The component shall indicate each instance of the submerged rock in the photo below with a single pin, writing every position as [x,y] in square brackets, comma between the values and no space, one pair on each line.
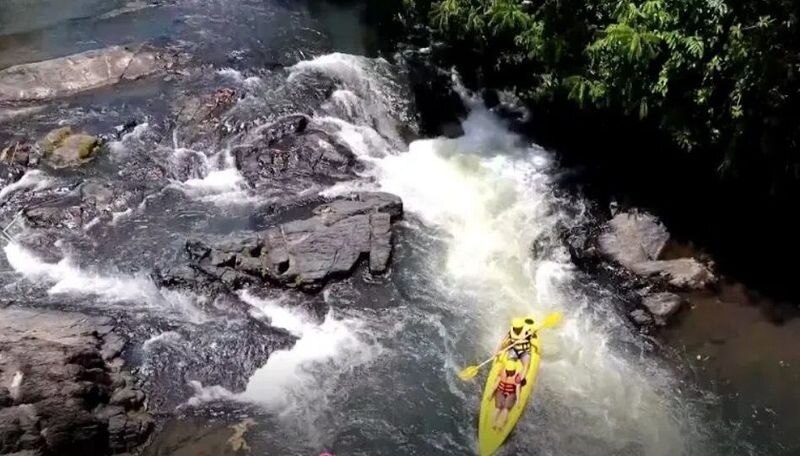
[60,386]
[82,207]
[79,72]
[306,253]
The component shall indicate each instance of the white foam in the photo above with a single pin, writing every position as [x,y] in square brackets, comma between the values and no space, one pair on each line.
[65,278]
[120,215]
[297,383]
[213,393]
[135,135]
[490,193]
[32,179]
[238,77]
[224,186]
[363,141]
[364,103]
[166,337]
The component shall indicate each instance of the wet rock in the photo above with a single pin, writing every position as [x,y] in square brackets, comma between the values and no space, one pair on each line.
[83,207]
[307,252]
[203,353]
[63,147]
[19,153]
[636,241]
[380,242]
[79,72]
[60,386]
[289,158]
[641,317]
[5,397]
[128,398]
[440,106]
[630,238]
[683,273]
[201,121]
[662,305]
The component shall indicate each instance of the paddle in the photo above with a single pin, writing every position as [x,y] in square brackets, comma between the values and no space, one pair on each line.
[469,372]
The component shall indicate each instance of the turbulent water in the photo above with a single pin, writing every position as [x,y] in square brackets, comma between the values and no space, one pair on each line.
[374,373]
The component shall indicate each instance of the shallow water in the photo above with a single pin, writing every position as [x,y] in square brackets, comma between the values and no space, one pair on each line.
[374,373]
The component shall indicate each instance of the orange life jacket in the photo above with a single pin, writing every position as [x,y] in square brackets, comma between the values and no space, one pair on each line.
[507,385]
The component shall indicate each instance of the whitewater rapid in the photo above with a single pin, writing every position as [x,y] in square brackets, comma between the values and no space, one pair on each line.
[488,195]
[376,373]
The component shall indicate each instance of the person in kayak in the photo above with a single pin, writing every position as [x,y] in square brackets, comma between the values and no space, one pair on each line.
[518,343]
[506,390]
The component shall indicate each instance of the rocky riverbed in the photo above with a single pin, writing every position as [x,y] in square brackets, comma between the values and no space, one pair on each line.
[223,236]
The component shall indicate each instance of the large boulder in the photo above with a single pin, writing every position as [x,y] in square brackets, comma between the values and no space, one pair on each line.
[60,371]
[637,240]
[79,72]
[631,238]
[305,253]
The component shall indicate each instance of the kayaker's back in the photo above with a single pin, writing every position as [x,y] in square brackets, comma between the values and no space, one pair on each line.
[490,440]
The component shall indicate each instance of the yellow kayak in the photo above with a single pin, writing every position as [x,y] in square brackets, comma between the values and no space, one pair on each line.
[490,440]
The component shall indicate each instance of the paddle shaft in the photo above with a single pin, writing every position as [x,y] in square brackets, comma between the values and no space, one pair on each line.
[499,353]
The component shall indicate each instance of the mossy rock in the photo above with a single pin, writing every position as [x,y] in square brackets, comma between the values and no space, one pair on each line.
[63,148]
[54,139]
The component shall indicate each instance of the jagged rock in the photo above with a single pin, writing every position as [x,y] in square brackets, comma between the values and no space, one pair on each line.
[89,203]
[60,385]
[79,72]
[662,305]
[306,252]
[380,242]
[20,154]
[631,238]
[680,273]
[63,147]
[290,157]
[128,398]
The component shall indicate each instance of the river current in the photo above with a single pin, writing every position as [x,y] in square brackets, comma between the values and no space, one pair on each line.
[375,373]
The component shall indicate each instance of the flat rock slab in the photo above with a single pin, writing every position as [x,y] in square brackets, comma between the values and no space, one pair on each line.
[631,238]
[684,273]
[306,253]
[58,375]
[662,305]
[78,73]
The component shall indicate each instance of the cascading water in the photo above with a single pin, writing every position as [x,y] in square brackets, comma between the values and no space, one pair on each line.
[374,374]
[476,205]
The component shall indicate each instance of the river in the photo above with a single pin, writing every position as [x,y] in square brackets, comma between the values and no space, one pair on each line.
[373,373]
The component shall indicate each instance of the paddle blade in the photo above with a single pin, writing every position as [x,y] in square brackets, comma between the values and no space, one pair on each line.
[468,373]
[552,320]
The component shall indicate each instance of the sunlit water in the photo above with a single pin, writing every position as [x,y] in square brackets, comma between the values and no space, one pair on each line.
[374,375]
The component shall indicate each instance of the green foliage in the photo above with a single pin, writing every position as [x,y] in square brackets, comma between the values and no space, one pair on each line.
[720,77]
